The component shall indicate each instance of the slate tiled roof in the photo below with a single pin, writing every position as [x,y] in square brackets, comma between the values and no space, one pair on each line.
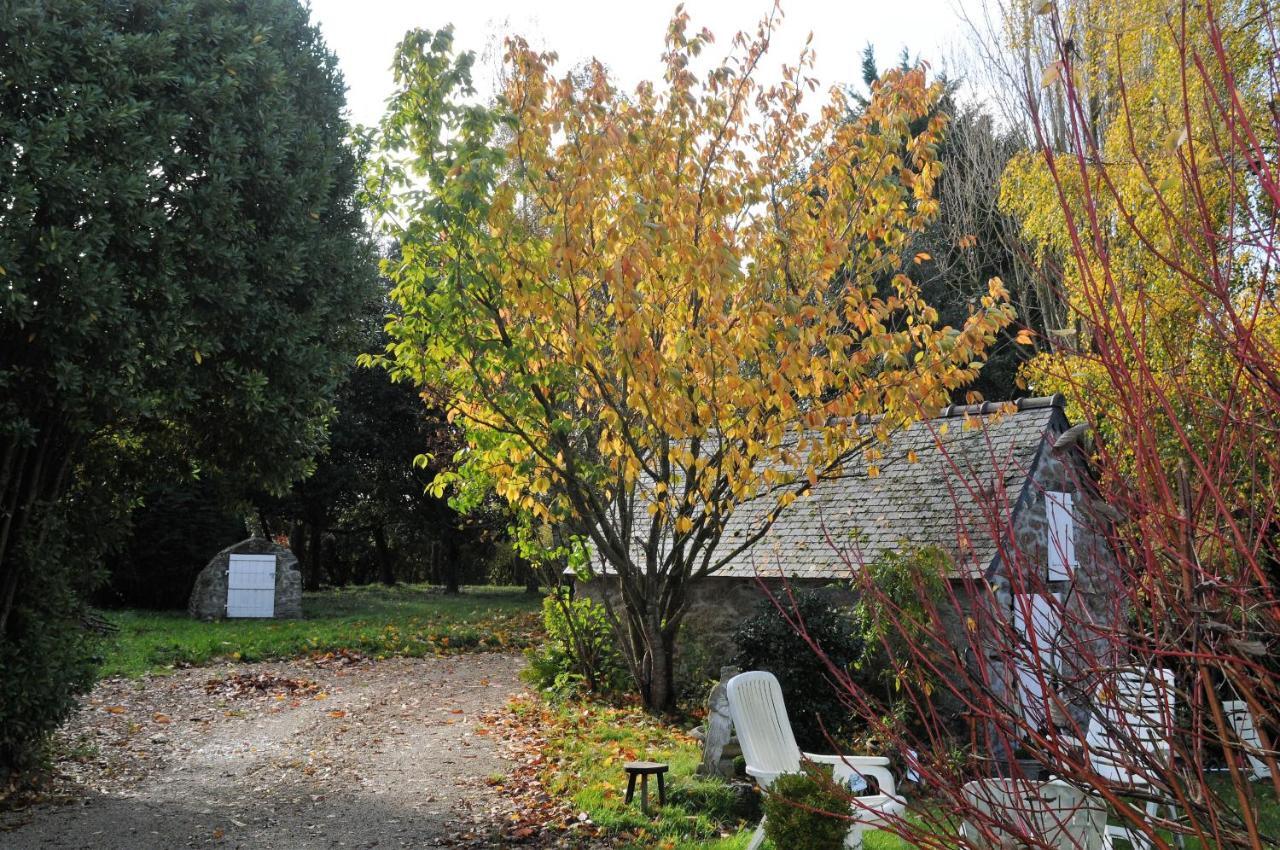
[970,457]
[929,502]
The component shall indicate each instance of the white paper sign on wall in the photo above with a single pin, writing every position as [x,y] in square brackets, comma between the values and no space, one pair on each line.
[1062,535]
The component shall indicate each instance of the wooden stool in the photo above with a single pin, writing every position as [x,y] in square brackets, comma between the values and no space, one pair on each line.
[644,769]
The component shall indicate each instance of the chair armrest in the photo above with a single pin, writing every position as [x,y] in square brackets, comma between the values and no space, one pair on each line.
[862,761]
[846,767]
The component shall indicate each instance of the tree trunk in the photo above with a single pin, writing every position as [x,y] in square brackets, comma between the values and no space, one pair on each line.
[267,531]
[298,542]
[658,690]
[386,564]
[339,574]
[531,584]
[315,554]
[450,569]
[30,478]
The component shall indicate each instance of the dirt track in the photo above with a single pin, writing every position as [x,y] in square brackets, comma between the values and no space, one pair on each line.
[336,754]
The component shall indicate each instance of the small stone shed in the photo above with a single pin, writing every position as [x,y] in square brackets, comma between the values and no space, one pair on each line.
[209,595]
[990,482]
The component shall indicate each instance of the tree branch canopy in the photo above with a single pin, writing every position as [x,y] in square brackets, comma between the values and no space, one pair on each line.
[663,301]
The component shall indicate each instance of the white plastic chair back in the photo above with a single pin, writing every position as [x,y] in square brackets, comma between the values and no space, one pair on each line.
[1054,814]
[764,732]
[1131,723]
[1241,719]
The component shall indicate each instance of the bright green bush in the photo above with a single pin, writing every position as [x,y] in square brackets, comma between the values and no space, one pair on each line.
[767,641]
[581,651]
[907,584]
[791,819]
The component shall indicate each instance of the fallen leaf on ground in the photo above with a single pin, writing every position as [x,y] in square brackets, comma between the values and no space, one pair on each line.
[259,684]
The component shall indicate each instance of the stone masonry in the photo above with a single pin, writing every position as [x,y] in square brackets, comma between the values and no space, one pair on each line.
[209,596]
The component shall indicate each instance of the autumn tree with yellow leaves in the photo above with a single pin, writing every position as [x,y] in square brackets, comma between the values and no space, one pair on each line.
[1139,190]
[647,308]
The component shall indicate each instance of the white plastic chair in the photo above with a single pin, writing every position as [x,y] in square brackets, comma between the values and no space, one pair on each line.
[1241,719]
[769,747]
[1053,813]
[1128,739]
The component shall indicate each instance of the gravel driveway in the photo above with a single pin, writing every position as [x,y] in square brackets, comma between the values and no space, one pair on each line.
[334,752]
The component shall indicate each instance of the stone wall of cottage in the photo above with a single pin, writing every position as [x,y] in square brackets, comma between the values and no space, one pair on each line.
[718,605]
[1086,598]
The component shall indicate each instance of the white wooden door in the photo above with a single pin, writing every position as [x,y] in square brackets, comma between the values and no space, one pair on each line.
[251,586]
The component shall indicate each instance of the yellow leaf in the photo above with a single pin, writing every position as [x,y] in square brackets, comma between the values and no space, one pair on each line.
[1045,8]
[873,472]
[198,356]
[1051,75]
[1024,337]
[912,457]
[922,257]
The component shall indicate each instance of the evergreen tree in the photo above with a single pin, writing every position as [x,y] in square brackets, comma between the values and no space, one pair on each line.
[180,258]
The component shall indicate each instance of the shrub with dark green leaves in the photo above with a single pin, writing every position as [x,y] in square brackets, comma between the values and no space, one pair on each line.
[767,641]
[182,264]
[47,655]
[801,810]
[581,651]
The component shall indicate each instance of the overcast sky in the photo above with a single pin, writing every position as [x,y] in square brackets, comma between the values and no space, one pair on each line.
[627,36]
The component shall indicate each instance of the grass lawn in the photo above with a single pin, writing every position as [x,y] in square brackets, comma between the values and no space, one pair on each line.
[587,744]
[412,620]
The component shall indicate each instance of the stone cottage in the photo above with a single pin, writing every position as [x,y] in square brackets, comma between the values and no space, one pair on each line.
[989,484]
